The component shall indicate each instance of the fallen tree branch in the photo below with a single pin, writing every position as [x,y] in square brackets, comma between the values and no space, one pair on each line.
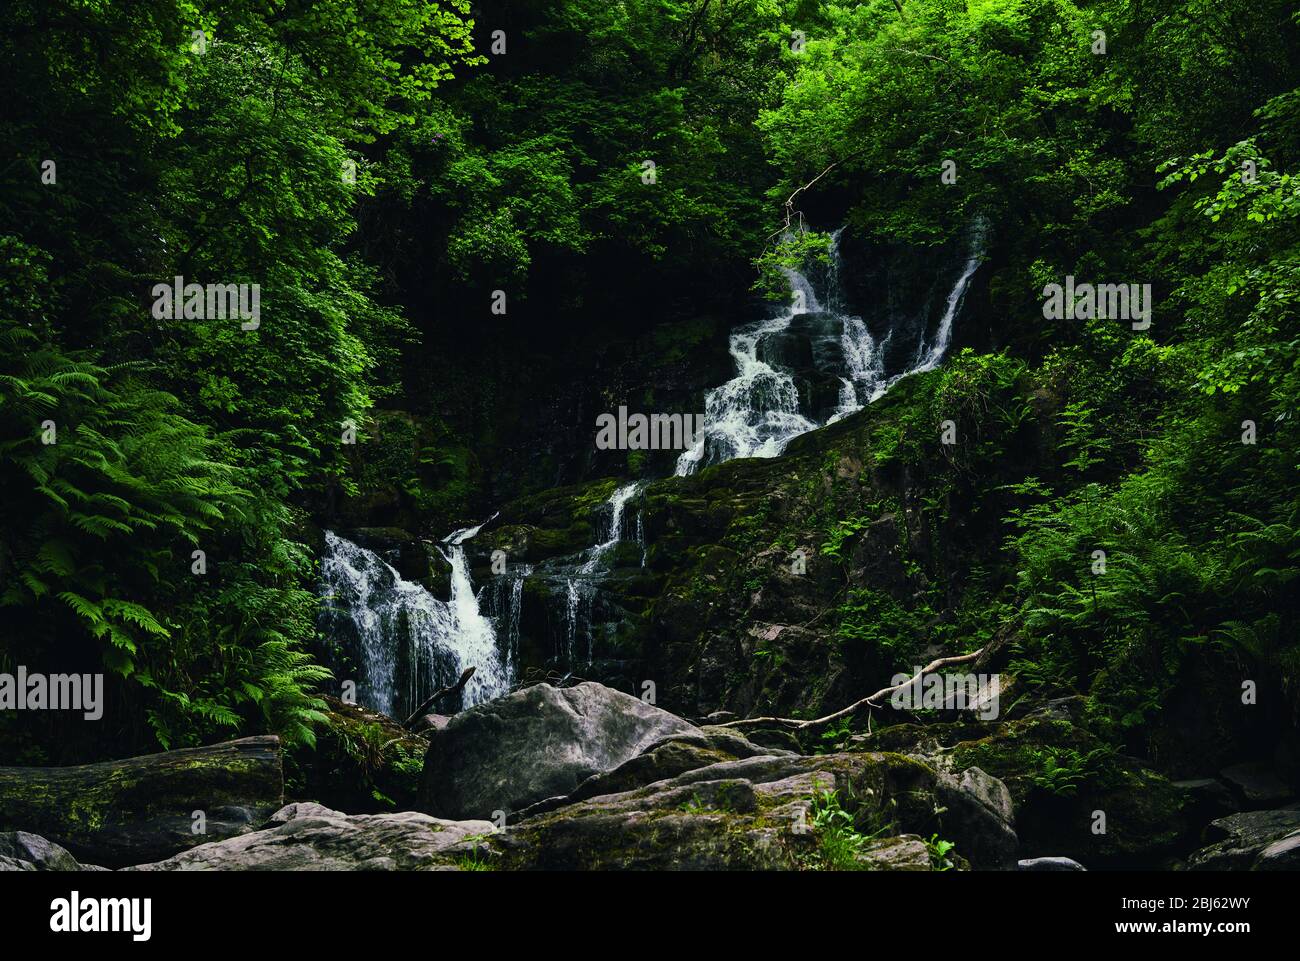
[441,692]
[869,701]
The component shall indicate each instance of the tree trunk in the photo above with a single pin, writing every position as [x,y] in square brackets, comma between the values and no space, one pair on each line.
[143,809]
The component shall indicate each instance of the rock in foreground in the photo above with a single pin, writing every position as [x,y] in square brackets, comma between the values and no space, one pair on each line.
[537,743]
[767,813]
[20,851]
[310,837]
[1252,841]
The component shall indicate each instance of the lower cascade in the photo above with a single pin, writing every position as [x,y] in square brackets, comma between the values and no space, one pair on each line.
[583,583]
[404,642]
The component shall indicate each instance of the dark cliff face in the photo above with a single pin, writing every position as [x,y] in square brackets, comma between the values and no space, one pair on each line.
[517,415]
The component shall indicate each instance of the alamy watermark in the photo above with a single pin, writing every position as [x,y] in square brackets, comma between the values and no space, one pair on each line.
[54,692]
[625,431]
[75,914]
[181,301]
[978,693]
[1098,301]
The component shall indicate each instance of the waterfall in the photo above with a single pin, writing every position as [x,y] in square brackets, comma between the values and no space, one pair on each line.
[581,586]
[927,358]
[864,358]
[504,603]
[476,639]
[757,412]
[408,643]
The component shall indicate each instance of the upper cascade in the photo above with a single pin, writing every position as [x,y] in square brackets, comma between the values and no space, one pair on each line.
[760,410]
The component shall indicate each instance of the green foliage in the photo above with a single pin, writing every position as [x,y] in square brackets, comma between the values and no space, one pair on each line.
[839,834]
[100,525]
[527,172]
[880,625]
[939,850]
[221,161]
[1062,771]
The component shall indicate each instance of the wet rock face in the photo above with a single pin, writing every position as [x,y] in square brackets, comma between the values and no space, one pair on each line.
[810,350]
[534,744]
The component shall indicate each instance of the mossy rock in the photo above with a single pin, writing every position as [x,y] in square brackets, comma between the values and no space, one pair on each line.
[754,814]
[1068,785]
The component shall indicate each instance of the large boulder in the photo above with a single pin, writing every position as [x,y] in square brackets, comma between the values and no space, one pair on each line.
[311,837]
[534,744]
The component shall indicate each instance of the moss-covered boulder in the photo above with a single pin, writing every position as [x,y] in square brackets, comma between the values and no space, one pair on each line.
[1073,795]
[766,813]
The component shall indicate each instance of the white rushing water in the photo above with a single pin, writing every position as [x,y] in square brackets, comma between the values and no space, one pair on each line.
[409,643]
[474,638]
[757,413]
[582,585]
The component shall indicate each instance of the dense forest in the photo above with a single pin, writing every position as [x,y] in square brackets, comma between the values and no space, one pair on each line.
[459,236]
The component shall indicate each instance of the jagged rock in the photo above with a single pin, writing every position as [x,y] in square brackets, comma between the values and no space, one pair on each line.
[1050,864]
[141,808]
[757,813]
[1281,855]
[1061,709]
[20,851]
[311,837]
[774,739]
[732,742]
[676,755]
[431,722]
[1257,784]
[534,744]
[990,791]
[1251,841]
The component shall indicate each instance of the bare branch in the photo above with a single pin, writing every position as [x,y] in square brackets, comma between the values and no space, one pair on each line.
[441,692]
[870,701]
